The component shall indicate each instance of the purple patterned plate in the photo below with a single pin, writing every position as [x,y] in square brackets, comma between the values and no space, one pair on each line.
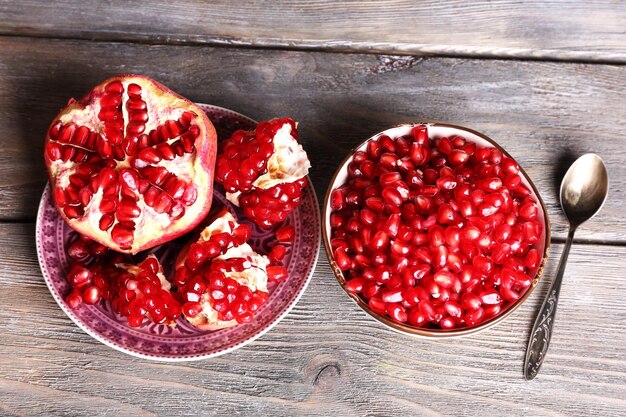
[184,342]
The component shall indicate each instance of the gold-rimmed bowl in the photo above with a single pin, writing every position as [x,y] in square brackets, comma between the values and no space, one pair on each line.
[435,130]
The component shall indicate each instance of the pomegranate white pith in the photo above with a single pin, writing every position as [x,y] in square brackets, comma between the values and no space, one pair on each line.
[131,164]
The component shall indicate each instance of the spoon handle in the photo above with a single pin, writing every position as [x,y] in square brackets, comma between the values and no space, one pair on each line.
[542,330]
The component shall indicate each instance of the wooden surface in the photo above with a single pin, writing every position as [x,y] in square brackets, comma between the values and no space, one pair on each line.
[559,30]
[559,92]
[325,358]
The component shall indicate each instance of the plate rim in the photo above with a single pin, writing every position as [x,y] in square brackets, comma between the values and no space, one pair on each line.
[182,358]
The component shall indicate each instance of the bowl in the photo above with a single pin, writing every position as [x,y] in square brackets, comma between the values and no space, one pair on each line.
[435,130]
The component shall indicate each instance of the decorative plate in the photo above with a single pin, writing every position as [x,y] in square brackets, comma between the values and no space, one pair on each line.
[184,342]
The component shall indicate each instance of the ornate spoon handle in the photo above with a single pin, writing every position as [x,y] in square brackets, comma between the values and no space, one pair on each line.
[542,330]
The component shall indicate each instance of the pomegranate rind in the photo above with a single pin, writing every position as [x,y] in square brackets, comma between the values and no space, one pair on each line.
[163,104]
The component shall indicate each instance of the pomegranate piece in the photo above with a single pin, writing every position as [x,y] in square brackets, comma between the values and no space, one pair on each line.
[142,291]
[264,171]
[436,233]
[136,291]
[221,280]
[131,164]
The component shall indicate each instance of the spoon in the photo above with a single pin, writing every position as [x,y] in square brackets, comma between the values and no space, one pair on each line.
[583,192]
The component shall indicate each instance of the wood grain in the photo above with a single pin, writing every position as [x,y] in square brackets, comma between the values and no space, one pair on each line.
[560,30]
[544,114]
[325,358]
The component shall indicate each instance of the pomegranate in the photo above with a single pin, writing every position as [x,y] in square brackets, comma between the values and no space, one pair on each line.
[435,232]
[131,163]
[264,170]
[221,280]
[142,291]
[135,291]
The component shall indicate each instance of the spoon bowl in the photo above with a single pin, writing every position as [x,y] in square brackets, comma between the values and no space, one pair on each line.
[584,189]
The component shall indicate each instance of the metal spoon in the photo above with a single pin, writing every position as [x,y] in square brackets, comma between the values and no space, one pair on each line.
[583,192]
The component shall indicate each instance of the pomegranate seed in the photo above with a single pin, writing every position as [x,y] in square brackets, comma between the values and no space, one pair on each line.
[337,199]
[453,309]
[377,305]
[277,273]
[489,184]
[392,225]
[532,259]
[192,309]
[379,241]
[429,311]
[355,285]
[342,260]
[470,301]
[458,157]
[373,149]
[285,233]
[397,312]
[445,278]
[474,317]
[528,211]
[277,253]
[500,253]
[92,295]
[445,214]
[394,296]
[74,299]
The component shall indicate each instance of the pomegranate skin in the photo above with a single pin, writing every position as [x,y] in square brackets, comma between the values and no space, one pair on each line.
[131,164]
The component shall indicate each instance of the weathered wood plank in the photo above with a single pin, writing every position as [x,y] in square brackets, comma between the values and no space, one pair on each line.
[563,30]
[545,114]
[325,358]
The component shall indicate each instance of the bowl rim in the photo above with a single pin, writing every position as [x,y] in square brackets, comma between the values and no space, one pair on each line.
[404,328]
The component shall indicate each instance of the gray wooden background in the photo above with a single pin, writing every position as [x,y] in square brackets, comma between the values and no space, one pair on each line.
[545,79]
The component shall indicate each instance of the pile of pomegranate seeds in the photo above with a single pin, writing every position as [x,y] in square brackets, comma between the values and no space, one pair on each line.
[437,233]
[264,171]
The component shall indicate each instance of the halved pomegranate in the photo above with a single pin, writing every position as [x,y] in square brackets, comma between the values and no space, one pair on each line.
[131,163]
[221,280]
[264,170]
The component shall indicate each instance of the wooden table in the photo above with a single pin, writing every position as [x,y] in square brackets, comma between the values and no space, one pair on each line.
[546,80]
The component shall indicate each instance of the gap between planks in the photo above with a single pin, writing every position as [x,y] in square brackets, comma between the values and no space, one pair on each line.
[353,47]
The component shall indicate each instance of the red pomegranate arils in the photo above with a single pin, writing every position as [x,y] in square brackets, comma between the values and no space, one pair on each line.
[436,233]
[264,171]
[221,280]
